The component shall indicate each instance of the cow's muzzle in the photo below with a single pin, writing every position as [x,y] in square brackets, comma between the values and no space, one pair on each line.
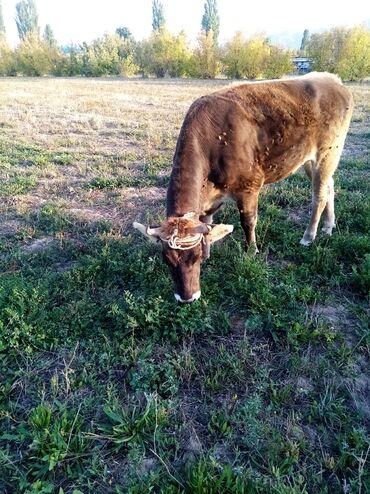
[194,297]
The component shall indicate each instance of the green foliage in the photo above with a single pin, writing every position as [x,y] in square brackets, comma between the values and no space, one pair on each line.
[340,50]
[124,32]
[205,59]
[211,19]
[354,63]
[17,185]
[343,51]
[255,58]
[2,25]
[257,52]
[138,425]
[234,57]
[35,57]
[108,385]
[53,440]
[26,18]
[206,477]
[7,65]
[71,62]
[164,54]
[246,58]
[158,21]
[305,40]
[23,316]
[279,63]
[49,37]
[102,56]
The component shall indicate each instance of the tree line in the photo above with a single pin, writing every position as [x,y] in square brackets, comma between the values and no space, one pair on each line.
[164,54]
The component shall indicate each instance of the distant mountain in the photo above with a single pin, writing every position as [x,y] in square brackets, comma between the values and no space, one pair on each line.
[287,39]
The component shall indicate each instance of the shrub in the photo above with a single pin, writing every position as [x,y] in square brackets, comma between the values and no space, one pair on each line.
[163,54]
[34,57]
[6,59]
[205,61]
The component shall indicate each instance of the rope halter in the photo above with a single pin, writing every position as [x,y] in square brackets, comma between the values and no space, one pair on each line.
[185,243]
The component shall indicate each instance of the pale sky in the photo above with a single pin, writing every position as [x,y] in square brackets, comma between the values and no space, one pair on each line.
[83,20]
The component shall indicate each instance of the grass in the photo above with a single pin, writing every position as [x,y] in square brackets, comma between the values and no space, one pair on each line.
[106,385]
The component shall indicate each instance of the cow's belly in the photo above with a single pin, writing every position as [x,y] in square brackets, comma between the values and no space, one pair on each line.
[280,169]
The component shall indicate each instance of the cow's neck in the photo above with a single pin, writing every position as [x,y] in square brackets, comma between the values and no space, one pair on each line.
[184,194]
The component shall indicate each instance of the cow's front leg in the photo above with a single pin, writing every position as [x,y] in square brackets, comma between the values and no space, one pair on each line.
[206,246]
[248,207]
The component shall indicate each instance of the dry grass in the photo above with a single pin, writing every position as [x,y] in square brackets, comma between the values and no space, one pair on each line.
[108,128]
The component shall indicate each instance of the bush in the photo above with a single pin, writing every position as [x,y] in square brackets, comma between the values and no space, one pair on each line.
[354,63]
[234,57]
[278,63]
[34,57]
[343,51]
[6,59]
[205,61]
[255,58]
[163,54]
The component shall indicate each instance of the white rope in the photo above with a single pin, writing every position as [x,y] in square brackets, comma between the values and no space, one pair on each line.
[185,243]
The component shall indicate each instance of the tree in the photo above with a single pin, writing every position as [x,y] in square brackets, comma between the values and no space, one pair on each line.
[205,61]
[101,57]
[211,19]
[26,18]
[305,39]
[6,58]
[70,62]
[278,63]
[2,25]
[354,63]
[256,55]
[234,57]
[163,54]
[49,37]
[124,32]
[326,49]
[158,15]
[34,57]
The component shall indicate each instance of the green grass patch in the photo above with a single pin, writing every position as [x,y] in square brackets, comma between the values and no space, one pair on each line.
[108,386]
[17,186]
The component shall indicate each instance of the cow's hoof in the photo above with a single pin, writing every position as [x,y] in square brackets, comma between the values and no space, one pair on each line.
[306,241]
[327,229]
[252,249]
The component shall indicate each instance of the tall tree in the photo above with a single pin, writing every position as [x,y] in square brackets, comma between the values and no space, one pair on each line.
[158,15]
[305,40]
[2,25]
[211,19]
[124,32]
[26,18]
[49,37]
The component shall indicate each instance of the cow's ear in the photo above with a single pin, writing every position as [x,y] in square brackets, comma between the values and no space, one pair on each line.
[151,233]
[219,231]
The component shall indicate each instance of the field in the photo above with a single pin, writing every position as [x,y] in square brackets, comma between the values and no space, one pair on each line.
[106,385]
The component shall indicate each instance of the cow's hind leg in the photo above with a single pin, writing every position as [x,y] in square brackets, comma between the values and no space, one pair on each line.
[248,206]
[322,195]
[328,213]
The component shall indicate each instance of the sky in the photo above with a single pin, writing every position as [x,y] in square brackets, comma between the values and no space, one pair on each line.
[84,20]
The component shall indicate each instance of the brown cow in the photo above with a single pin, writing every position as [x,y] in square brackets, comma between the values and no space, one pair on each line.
[234,141]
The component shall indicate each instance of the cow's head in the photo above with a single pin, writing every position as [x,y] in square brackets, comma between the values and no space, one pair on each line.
[186,241]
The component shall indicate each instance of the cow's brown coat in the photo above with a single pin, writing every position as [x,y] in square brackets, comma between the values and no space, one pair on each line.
[234,141]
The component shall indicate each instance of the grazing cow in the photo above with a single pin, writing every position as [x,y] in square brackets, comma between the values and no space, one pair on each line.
[234,141]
